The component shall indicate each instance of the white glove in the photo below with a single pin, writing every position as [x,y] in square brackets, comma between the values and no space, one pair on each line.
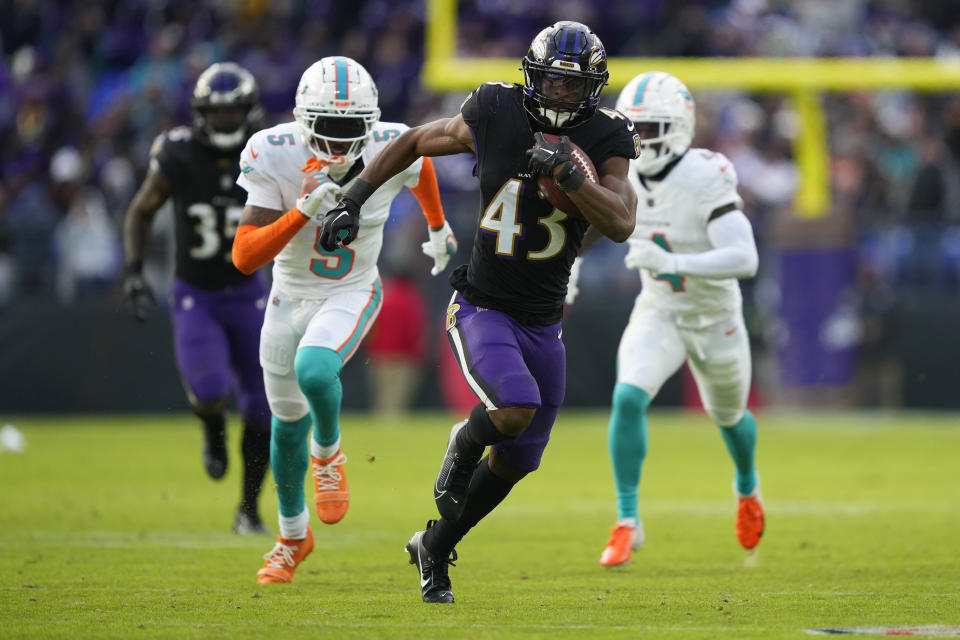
[572,289]
[315,189]
[440,247]
[644,254]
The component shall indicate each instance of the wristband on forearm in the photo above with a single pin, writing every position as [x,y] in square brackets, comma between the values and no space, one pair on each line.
[359,191]
[569,178]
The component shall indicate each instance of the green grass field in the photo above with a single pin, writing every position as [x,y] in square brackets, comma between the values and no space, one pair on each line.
[110,529]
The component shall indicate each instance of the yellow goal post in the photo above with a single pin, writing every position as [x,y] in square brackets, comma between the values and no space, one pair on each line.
[803,79]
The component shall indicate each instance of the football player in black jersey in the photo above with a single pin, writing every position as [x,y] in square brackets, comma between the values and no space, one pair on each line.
[504,319]
[217,311]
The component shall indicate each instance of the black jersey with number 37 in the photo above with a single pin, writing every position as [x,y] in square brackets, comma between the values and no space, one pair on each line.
[523,248]
[207,204]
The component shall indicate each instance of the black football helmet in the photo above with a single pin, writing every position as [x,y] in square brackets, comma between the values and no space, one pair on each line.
[226,105]
[565,70]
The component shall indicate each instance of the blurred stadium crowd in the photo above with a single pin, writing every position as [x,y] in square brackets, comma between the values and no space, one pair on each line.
[86,86]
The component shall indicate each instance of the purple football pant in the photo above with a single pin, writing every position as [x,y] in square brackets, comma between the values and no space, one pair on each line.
[216,336]
[508,364]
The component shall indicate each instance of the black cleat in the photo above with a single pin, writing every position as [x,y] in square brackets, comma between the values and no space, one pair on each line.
[215,451]
[434,582]
[450,489]
[249,524]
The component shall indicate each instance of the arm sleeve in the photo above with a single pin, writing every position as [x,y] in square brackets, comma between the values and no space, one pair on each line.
[734,253]
[254,246]
[427,193]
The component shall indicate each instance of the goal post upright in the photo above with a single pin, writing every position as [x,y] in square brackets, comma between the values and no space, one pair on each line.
[803,79]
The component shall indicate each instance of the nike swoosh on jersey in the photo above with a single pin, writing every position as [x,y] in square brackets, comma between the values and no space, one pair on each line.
[729,332]
[253,153]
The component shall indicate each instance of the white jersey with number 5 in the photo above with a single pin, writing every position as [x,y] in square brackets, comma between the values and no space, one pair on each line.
[270,171]
[674,213]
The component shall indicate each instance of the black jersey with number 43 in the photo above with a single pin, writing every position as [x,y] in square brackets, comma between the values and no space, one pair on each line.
[523,248]
[207,204]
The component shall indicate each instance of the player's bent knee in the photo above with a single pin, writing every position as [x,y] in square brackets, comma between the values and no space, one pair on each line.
[503,469]
[289,410]
[630,399]
[317,368]
[208,408]
[511,421]
[290,432]
[726,417]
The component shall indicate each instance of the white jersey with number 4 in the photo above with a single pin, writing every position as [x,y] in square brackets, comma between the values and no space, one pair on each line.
[270,171]
[674,213]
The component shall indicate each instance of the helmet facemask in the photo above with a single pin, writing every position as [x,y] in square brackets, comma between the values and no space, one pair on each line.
[336,138]
[659,145]
[561,97]
[225,127]
[336,108]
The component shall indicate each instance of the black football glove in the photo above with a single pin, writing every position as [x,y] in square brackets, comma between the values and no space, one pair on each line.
[545,156]
[139,293]
[341,224]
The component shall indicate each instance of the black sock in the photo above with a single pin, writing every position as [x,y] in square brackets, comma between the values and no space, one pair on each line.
[256,459]
[486,491]
[215,424]
[479,432]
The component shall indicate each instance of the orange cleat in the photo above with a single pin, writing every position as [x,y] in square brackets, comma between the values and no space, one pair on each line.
[750,521]
[284,558]
[623,541]
[330,487]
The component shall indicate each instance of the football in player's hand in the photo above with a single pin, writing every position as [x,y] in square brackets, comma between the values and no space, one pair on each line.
[548,188]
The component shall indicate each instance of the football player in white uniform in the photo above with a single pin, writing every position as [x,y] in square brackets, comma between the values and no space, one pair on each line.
[326,289]
[691,244]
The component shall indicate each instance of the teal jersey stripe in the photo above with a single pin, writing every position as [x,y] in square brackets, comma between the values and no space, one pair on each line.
[348,347]
[638,99]
[343,92]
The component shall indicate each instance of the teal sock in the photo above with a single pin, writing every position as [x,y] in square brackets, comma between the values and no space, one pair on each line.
[318,374]
[627,438]
[741,441]
[289,459]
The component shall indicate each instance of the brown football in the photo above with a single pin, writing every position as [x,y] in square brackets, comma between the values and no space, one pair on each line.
[552,193]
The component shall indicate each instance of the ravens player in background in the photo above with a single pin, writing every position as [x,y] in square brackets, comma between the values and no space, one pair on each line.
[503,321]
[217,311]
